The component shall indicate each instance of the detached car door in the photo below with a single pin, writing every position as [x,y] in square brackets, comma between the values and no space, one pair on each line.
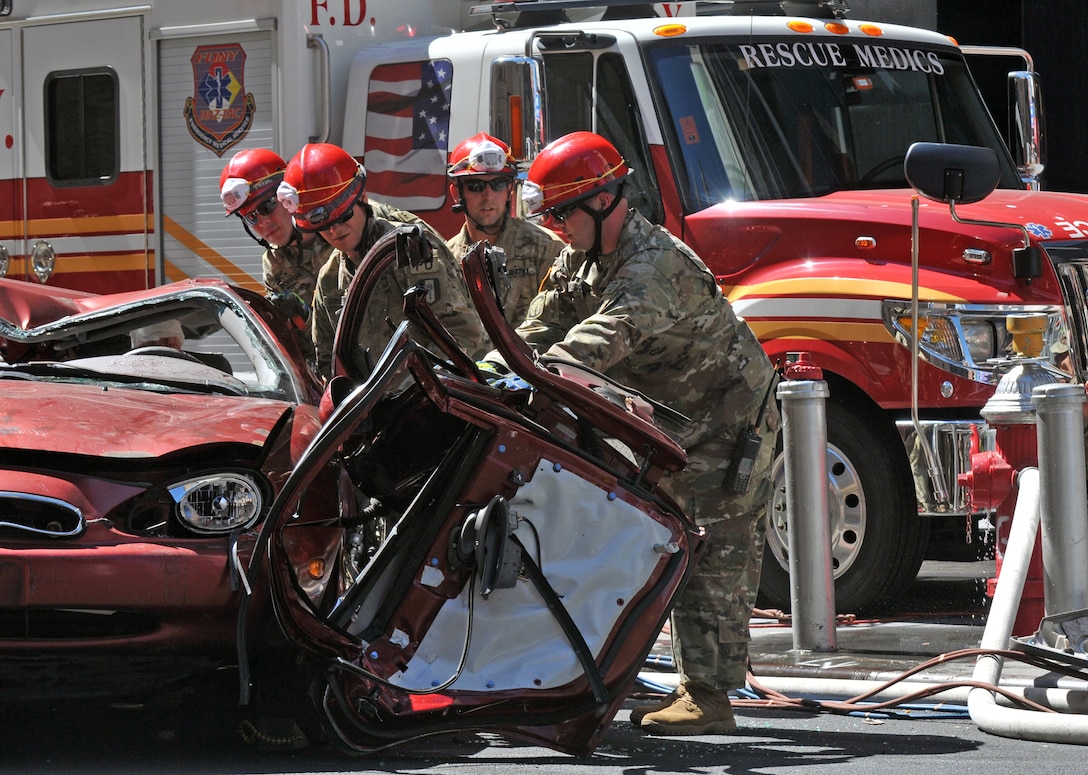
[521,562]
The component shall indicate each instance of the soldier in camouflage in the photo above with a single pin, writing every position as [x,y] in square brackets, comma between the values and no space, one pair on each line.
[481,175]
[291,260]
[323,187]
[291,272]
[641,307]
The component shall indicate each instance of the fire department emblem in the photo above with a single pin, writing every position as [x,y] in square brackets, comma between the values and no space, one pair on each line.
[219,113]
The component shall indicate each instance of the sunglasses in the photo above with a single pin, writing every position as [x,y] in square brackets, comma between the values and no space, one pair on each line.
[497,184]
[560,214]
[319,222]
[264,209]
[317,219]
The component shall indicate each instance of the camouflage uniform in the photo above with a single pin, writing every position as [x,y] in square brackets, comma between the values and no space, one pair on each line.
[388,212]
[290,277]
[651,315]
[530,250]
[450,303]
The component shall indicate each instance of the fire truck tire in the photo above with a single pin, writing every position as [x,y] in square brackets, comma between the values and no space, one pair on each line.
[878,541]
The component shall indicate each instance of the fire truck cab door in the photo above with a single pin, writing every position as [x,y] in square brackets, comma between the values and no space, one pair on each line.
[84,150]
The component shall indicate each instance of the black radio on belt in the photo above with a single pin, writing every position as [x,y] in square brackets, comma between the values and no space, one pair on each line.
[744,458]
[746,451]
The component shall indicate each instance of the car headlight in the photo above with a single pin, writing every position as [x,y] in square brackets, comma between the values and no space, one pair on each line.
[217,503]
[966,339]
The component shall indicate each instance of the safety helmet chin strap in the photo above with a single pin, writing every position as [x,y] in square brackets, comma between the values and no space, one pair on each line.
[599,217]
[296,236]
[245,225]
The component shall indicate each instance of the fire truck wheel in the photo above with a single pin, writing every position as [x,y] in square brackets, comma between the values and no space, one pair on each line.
[877,539]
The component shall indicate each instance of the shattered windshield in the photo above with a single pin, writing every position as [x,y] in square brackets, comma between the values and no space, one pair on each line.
[196,342]
[783,119]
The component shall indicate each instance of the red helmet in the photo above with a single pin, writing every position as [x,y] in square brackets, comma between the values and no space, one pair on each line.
[572,168]
[481,154]
[322,182]
[250,177]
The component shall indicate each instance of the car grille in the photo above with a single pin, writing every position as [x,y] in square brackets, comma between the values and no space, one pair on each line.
[39,515]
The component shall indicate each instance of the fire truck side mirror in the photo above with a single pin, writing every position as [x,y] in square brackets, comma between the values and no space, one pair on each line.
[952,174]
[518,104]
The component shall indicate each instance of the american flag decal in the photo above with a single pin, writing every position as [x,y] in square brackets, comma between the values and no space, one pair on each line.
[407,133]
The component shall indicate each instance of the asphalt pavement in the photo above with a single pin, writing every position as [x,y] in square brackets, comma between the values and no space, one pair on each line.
[802,721]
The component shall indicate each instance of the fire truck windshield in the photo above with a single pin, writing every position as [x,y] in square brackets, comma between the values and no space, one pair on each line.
[782,119]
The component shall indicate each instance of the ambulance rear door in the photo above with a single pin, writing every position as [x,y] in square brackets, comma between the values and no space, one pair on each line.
[87,189]
[216,96]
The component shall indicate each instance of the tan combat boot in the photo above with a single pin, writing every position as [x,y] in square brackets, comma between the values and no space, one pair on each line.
[639,711]
[695,710]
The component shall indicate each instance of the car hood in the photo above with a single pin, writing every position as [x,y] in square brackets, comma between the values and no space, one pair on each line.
[90,420]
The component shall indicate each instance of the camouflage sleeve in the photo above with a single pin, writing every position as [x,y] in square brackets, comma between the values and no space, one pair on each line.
[293,269]
[529,256]
[639,302]
[323,326]
[552,312]
[390,213]
[458,244]
[550,248]
[454,309]
[268,272]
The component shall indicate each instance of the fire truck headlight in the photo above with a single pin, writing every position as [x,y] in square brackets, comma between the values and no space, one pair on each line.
[964,339]
[981,339]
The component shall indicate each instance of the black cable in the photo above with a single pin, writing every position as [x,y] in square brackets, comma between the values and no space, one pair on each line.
[570,629]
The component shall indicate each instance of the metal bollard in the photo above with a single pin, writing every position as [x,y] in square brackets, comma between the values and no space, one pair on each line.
[1063,496]
[804,445]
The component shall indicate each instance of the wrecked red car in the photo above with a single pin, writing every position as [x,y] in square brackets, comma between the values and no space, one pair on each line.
[133,476]
[443,549]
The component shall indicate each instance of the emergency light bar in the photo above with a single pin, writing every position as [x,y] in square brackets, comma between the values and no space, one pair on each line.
[816,8]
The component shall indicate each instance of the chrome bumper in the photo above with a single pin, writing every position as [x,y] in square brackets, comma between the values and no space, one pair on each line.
[951,442]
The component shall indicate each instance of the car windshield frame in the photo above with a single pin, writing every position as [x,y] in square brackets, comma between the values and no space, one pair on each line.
[228,347]
[784,120]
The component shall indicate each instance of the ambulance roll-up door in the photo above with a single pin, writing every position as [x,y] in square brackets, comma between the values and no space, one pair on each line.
[216,88]
[85,153]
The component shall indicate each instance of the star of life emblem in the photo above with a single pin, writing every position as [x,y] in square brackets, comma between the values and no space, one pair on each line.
[1039,230]
[220,112]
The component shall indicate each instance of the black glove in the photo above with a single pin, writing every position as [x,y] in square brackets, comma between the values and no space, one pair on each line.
[291,304]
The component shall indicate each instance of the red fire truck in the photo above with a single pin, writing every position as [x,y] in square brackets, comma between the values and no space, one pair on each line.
[773,144]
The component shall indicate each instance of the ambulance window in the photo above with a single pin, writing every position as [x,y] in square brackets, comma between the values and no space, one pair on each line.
[570,88]
[82,120]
